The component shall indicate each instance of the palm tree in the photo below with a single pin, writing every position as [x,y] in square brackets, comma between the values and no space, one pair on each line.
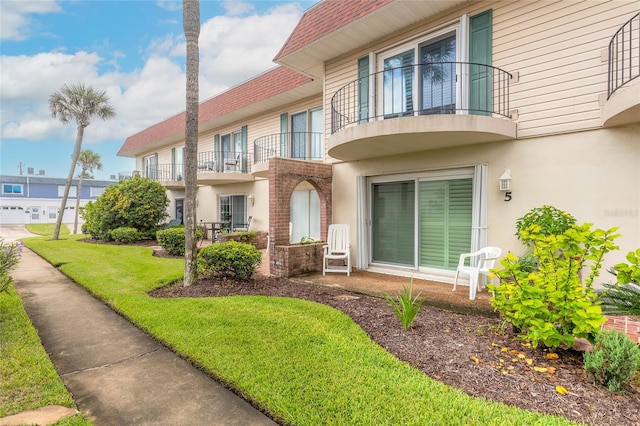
[191,25]
[89,160]
[80,104]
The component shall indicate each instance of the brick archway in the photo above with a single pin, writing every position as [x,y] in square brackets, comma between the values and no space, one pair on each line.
[284,176]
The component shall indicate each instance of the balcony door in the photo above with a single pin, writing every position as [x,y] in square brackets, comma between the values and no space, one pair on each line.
[299,135]
[304,141]
[444,72]
[398,84]
[438,76]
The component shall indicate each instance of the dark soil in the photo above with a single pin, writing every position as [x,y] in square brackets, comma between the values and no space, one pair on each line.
[475,354]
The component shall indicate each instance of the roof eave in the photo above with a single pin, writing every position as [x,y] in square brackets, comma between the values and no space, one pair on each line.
[309,59]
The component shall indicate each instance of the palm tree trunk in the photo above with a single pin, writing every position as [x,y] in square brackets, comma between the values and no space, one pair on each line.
[79,194]
[65,196]
[191,24]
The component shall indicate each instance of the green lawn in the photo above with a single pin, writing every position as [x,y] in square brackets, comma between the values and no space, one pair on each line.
[28,379]
[303,362]
[45,228]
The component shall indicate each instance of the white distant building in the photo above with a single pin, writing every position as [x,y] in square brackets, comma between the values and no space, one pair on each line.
[36,199]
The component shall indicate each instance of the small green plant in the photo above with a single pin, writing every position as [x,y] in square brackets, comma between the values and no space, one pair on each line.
[405,305]
[551,221]
[307,240]
[9,257]
[230,259]
[126,235]
[552,305]
[623,296]
[614,359]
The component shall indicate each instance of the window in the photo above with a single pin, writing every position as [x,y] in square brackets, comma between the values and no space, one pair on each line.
[304,215]
[73,191]
[95,191]
[445,72]
[422,76]
[12,188]
[150,167]
[177,160]
[230,151]
[304,141]
[233,208]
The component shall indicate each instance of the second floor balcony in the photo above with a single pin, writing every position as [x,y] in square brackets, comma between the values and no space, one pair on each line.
[170,175]
[213,168]
[296,145]
[222,167]
[420,107]
[623,82]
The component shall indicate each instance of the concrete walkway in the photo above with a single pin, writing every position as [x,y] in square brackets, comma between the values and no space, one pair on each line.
[119,375]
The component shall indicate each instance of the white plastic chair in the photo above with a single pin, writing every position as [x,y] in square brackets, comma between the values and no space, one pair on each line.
[337,248]
[486,258]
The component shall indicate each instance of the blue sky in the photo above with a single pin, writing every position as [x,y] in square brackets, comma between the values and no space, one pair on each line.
[134,51]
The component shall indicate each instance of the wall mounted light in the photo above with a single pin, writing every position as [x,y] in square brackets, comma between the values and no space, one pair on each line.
[505,184]
[505,180]
[251,199]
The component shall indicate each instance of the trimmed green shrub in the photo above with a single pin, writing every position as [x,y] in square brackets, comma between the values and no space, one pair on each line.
[172,239]
[230,259]
[126,235]
[552,305]
[623,296]
[136,203]
[613,360]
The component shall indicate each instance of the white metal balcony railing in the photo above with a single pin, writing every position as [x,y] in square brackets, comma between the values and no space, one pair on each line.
[422,89]
[297,145]
[624,55]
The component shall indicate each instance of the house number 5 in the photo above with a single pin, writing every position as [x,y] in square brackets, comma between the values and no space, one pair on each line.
[507,196]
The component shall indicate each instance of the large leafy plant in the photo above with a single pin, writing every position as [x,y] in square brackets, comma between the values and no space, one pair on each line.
[136,203]
[554,304]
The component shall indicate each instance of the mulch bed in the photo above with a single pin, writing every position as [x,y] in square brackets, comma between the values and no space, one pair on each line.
[478,355]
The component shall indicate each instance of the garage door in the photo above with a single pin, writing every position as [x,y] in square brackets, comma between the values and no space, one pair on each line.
[12,215]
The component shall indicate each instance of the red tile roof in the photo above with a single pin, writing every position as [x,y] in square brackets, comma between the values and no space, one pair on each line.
[270,83]
[326,17]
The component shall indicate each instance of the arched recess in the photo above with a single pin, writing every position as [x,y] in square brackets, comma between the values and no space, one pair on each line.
[284,176]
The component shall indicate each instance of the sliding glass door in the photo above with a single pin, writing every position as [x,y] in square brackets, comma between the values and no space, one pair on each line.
[424,222]
[444,222]
[393,207]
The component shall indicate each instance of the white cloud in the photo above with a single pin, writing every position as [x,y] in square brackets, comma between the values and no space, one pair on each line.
[235,8]
[232,49]
[14,17]
[170,5]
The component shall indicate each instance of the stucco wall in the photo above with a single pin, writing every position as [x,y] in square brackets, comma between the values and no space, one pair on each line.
[593,175]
